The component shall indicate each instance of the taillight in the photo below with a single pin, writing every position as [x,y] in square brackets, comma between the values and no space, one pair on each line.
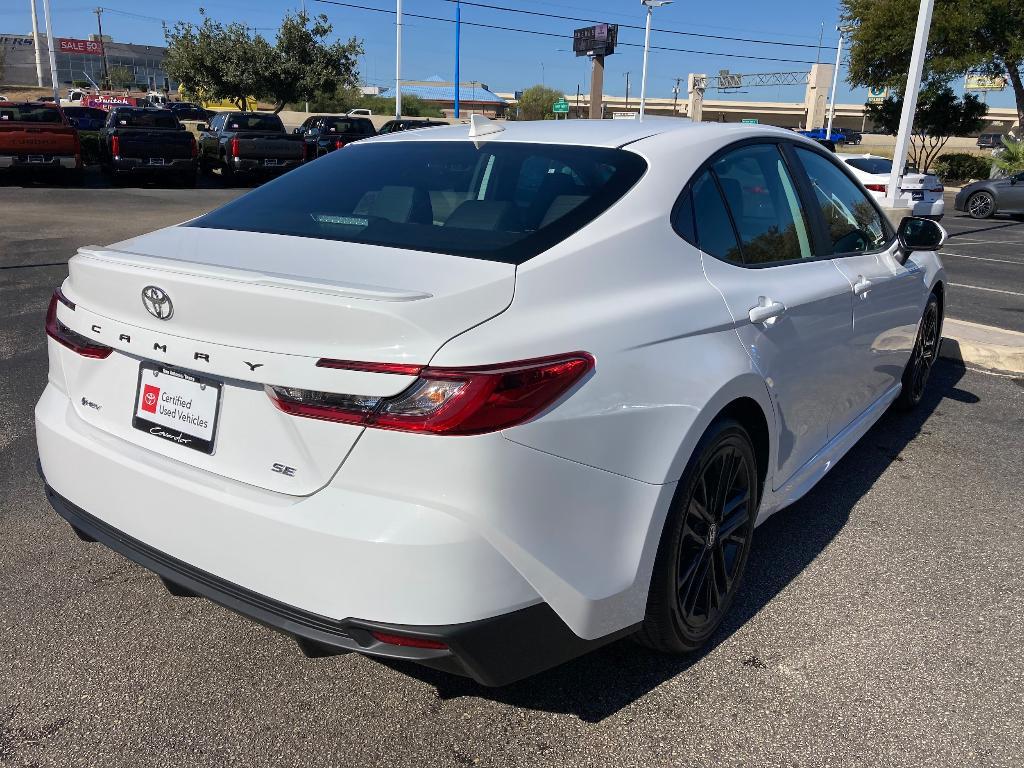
[445,401]
[876,187]
[338,143]
[195,147]
[939,189]
[60,333]
[115,146]
[234,147]
[408,641]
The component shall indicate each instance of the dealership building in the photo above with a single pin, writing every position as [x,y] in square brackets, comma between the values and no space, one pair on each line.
[77,58]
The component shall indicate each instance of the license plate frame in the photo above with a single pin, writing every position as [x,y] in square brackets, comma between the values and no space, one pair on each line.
[917,195]
[186,437]
[156,161]
[272,161]
[35,159]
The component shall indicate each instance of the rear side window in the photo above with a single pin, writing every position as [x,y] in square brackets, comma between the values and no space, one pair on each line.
[870,164]
[28,113]
[764,204]
[502,201]
[252,121]
[715,234]
[161,118]
[854,224]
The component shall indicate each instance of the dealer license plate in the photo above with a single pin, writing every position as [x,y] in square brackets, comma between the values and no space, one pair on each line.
[177,406]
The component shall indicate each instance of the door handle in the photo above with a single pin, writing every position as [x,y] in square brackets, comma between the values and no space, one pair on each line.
[862,286]
[766,310]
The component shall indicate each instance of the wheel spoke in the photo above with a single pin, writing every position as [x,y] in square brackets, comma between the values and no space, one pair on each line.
[735,515]
[696,583]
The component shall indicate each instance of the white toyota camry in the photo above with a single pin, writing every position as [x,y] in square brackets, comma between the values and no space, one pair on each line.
[486,397]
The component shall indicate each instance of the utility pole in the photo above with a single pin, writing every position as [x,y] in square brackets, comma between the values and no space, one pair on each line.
[103,47]
[597,88]
[305,19]
[398,59]
[627,90]
[577,101]
[35,43]
[49,46]
[675,95]
[899,158]
[458,26]
[835,81]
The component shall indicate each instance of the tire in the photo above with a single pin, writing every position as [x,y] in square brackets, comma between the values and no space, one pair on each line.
[926,351]
[702,550]
[981,205]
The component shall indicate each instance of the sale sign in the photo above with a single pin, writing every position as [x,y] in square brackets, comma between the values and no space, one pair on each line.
[107,101]
[71,45]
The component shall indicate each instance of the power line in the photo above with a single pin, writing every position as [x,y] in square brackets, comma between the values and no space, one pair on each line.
[637,26]
[560,36]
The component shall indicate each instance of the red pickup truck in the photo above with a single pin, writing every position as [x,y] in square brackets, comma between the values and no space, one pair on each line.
[37,136]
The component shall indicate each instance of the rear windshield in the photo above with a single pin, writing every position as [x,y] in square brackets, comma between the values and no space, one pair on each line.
[28,113]
[157,118]
[347,125]
[502,202]
[871,164]
[253,122]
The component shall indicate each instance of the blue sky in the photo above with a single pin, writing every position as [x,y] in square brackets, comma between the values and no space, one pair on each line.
[507,60]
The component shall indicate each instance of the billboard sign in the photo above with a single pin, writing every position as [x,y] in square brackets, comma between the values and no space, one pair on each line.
[877,95]
[108,101]
[985,83]
[598,40]
[71,45]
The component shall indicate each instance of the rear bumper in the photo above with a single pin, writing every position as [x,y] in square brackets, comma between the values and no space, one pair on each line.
[934,209]
[139,165]
[69,162]
[248,165]
[494,651]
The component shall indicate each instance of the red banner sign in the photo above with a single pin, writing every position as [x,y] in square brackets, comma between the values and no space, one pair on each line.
[107,102]
[70,45]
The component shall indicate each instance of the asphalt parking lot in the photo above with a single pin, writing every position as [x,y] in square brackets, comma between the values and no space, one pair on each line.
[880,622]
[985,263]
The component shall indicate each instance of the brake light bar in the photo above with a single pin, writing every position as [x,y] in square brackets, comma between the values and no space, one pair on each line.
[115,146]
[74,341]
[445,401]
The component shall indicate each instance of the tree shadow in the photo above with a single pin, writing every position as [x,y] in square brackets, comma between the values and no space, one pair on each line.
[601,683]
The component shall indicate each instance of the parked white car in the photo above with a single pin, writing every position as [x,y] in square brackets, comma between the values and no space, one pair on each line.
[506,394]
[923,191]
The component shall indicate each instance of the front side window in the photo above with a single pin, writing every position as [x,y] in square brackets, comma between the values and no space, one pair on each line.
[764,203]
[854,224]
[501,201]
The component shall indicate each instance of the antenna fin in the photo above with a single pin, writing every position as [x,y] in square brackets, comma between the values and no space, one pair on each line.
[481,126]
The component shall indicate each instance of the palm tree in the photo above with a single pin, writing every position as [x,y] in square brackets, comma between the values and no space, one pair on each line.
[1010,159]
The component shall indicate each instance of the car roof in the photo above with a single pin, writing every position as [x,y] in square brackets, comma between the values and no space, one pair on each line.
[594,133]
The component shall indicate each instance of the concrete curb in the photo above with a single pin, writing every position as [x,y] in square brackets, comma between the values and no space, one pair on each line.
[983,346]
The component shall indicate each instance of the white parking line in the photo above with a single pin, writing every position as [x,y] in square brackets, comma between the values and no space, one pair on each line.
[980,258]
[990,290]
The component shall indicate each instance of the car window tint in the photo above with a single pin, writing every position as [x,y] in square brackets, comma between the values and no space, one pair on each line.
[28,113]
[854,224]
[871,164]
[715,235]
[501,201]
[765,207]
[682,217]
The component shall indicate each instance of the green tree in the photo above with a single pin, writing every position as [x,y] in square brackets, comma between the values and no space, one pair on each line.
[1010,159]
[303,64]
[537,102]
[217,61]
[940,114]
[120,77]
[985,36]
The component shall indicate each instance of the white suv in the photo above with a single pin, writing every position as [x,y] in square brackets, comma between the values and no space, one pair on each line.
[486,397]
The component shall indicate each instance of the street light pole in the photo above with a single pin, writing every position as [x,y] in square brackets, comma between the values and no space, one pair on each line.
[458,26]
[49,46]
[397,60]
[835,82]
[651,5]
[35,43]
[899,159]
[627,90]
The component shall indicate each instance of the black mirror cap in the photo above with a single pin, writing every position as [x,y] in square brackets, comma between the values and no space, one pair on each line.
[917,234]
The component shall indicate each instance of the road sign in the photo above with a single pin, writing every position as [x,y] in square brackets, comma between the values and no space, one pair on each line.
[985,83]
[749,120]
[877,95]
[560,107]
[598,40]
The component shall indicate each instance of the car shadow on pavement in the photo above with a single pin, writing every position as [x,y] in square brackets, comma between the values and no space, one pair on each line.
[601,683]
[1013,221]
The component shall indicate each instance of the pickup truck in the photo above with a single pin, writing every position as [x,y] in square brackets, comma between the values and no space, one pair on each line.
[248,142]
[38,137]
[821,134]
[327,133]
[147,141]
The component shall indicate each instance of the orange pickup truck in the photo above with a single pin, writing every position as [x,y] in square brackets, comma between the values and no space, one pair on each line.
[37,136]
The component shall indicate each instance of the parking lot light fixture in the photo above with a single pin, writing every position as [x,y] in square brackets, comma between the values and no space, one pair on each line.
[651,5]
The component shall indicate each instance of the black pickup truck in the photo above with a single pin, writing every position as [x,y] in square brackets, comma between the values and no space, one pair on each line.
[146,141]
[249,142]
[326,133]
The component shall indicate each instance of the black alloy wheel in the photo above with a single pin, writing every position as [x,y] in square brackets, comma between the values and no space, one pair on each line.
[923,357]
[981,205]
[706,542]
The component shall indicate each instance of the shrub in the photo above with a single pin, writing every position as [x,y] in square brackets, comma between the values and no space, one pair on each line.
[960,166]
[90,146]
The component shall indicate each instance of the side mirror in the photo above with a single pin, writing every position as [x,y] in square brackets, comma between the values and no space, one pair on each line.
[202,127]
[916,234]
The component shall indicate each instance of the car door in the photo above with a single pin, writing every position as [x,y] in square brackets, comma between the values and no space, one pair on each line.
[792,312]
[209,140]
[1010,193]
[889,292]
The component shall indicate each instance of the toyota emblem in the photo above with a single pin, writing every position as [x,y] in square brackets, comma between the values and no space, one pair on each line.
[157,302]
